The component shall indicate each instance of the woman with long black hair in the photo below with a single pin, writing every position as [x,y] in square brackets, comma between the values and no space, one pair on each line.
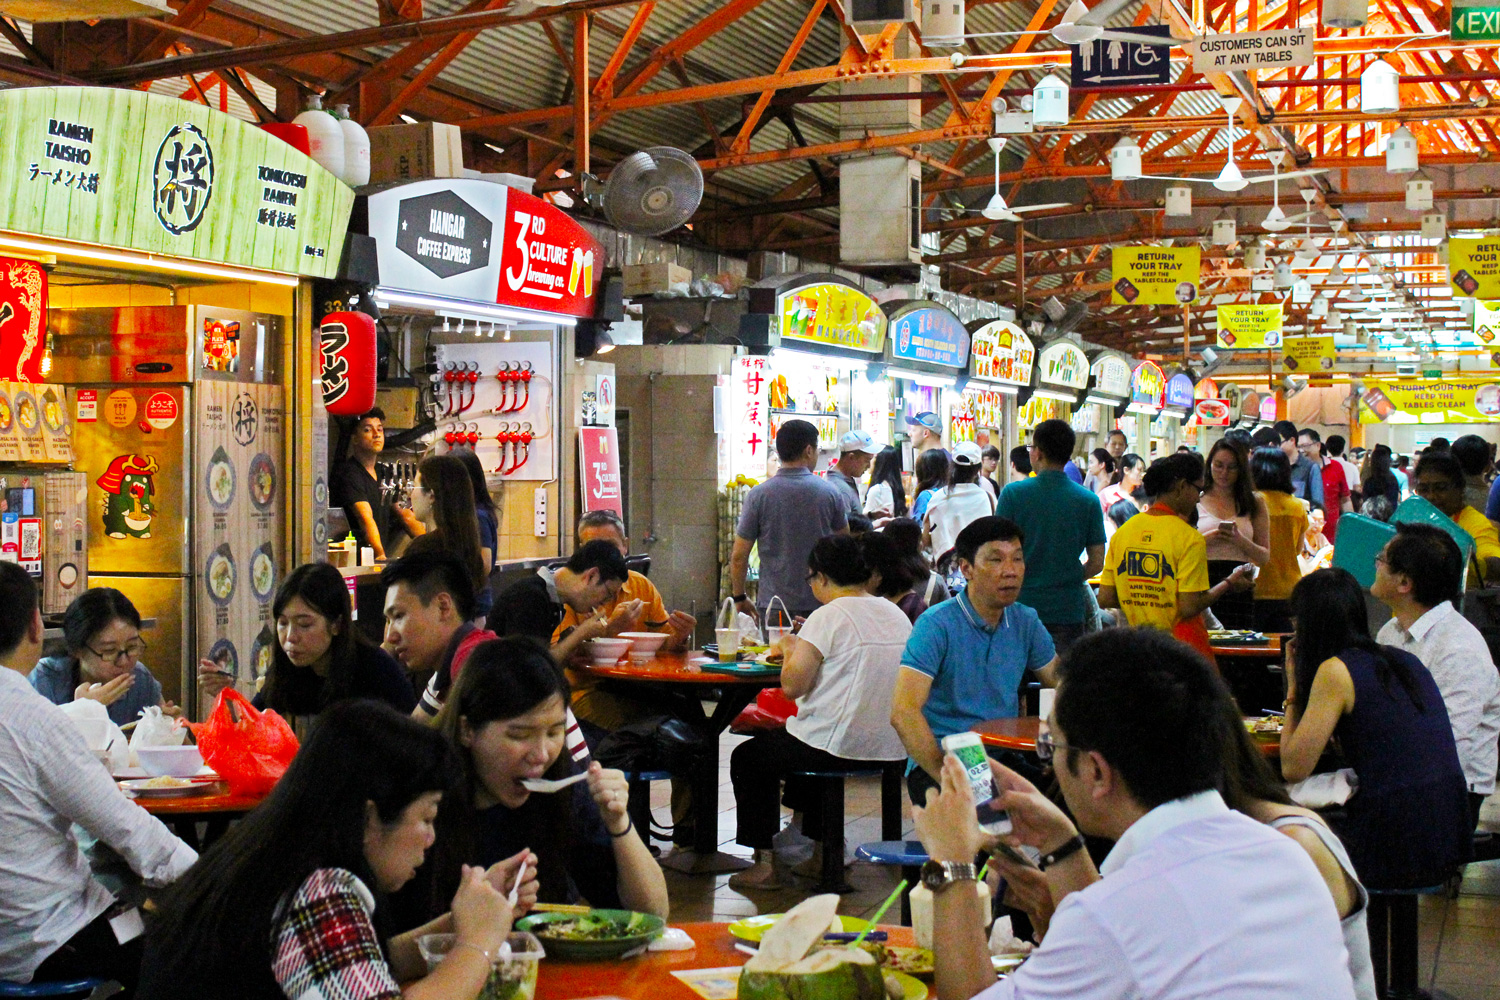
[1235,526]
[1286,517]
[319,657]
[285,905]
[1409,823]
[933,469]
[443,500]
[886,496]
[484,508]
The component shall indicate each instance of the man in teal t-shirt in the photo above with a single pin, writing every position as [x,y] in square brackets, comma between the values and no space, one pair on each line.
[1062,521]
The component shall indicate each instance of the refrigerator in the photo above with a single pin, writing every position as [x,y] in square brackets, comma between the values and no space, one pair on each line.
[178,430]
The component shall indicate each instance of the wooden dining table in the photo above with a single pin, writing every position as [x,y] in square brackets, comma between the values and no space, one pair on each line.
[216,809]
[1020,734]
[680,686]
[1253,671]
[649,976]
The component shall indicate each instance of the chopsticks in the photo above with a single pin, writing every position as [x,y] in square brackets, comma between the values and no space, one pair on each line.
[559,908]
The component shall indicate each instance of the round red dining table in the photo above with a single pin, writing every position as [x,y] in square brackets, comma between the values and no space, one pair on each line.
[649,976]
[217,808]
[673,681]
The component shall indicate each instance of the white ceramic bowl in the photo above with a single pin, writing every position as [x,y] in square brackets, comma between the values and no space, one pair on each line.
[176,762]
[644,645]
[607,651]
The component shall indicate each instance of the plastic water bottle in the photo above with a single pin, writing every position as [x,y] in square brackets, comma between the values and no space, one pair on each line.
[325,136]
[356,148]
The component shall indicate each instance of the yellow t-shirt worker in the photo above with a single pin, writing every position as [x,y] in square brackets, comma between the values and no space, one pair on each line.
[1439,479]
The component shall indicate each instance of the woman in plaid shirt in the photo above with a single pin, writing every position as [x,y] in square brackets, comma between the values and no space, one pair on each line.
[286,905]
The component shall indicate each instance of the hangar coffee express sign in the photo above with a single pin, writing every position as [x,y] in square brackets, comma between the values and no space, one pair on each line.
[129,169]
[475,239]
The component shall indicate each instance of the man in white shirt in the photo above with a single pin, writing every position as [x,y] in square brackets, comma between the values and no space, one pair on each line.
[56,922]
[1196,901]
[1417,574]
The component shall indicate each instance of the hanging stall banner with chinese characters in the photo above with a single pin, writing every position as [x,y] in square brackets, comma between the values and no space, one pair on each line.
[1002,352]
[1154,276]
[1206,388]
[930,334]
[832,314]
[749,420]
[1312,356]
[1456,400]
[599,469]
[1063,365]
[1111,375]
[135,170]
[1474,267]
[23,320]
[1249,326]
[1147,384]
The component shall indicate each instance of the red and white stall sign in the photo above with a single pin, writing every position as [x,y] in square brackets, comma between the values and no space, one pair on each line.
[547,261]
[599,463]
[23,320]
[749,418]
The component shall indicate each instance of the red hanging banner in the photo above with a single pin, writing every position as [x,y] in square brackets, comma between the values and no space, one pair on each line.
[599,463]
[23,320]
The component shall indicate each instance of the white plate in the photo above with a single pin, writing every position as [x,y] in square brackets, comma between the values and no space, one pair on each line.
[129,773]
[142,788]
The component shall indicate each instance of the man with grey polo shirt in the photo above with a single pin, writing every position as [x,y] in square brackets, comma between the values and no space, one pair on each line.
[785,516]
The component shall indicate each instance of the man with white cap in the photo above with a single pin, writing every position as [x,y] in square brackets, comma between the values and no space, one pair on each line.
[960,503]
[926,431]
[857,450]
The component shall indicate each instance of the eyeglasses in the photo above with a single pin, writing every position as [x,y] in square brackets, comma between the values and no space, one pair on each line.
[109,654]
[1047,747]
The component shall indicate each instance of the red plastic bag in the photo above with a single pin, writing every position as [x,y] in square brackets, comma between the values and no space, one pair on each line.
[249,749]
[771,710]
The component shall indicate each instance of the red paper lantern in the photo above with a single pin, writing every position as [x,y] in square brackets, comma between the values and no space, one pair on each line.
[23,320]
[347,345]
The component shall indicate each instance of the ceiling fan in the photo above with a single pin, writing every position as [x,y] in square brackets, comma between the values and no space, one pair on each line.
[996,208]
[1082,26]
[1231,178]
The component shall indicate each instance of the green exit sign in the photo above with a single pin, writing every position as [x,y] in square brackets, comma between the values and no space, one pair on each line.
[1475,24]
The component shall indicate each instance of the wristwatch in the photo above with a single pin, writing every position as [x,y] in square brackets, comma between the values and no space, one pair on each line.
[737,598]
[937,875]
[1067,850]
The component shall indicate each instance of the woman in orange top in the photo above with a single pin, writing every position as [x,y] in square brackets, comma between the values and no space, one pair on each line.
[1272,473]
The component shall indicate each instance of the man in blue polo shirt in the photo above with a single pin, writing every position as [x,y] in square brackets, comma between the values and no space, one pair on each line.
[964,660]
[1064,527]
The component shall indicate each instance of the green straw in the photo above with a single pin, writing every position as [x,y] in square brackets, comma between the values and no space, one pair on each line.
[895,895]
[984,870]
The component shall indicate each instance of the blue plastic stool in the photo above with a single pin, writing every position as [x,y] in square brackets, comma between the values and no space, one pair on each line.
[831,879]
[639,805]
[1393,923]
[909,854]
[94,989]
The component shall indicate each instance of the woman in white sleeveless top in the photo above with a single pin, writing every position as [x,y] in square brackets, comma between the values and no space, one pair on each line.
[1235,526]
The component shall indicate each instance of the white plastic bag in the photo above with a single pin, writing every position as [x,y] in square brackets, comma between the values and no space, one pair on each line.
[99,732]
[155,730]
[1332,788]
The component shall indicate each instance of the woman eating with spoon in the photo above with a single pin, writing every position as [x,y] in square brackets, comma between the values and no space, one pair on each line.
[507,716]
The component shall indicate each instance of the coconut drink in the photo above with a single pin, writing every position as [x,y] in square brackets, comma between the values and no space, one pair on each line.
[790,965]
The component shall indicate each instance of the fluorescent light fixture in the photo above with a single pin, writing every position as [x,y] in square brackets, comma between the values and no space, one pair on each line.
[921,378]
[823,361]
[156,261]
[1172,415]
[1094,398]
[1009,390]
[1142,408]
[442,305]
[1057,394]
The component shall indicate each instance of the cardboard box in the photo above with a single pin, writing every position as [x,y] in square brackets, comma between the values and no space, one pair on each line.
[417,152]
[644,279]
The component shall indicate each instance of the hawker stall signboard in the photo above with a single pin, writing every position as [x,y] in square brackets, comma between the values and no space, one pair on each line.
[1147,385]
[1474,267]
[1062,364]
[474,239]
[1002,352]
[1154,276]
[832,314]
[1250,326]
[929,334]
[1111,376]
[748,421]
[131,169]
[1180,391]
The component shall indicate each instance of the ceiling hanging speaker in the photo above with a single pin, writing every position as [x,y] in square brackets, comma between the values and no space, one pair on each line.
[654,191]
[1255,256]
[1434,226]
[942,23]
[1224,232]
[1179,201]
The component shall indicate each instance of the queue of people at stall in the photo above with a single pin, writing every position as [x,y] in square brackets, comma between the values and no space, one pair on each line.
[911,629]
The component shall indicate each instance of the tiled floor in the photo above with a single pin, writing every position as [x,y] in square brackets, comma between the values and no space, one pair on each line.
[1460,938]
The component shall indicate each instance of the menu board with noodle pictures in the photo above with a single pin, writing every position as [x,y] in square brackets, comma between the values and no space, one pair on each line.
[239,452]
